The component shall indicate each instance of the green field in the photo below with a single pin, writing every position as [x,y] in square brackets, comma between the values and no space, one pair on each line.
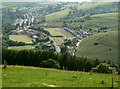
[21,38]
[58,40]
[66,34]
[107,48]
[57,15]
[21,76]
[59,34]
[53,32]
[59,24]
[21,47]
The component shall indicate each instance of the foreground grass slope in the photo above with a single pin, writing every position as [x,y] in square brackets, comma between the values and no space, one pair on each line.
[21,38]
[106,47]
[21,76]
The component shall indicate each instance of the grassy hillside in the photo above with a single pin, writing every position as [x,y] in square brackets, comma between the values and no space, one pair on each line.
[100,5]
[21,76]
[57,15]
[21,38]
[109,20]
[97,21]
[105,49]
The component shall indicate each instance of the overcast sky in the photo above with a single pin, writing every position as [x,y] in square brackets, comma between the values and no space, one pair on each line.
[75,0]
[58,0]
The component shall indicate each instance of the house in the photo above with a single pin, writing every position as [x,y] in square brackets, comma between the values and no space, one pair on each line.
[75,41]
[49,45]
[34,36]
[65,39]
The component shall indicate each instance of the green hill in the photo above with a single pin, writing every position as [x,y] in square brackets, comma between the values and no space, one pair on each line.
[57,15]
[103,46]
[21,76]
[109,20]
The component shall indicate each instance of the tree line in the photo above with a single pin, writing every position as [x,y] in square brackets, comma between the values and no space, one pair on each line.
[51,59]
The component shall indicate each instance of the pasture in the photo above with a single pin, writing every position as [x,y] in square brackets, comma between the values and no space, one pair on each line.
[103,46]
[59,24]
[98,21]
[66,34]
[57,15]
[53,32]
[21,47]
[58,34]
[23,76]
[21,38]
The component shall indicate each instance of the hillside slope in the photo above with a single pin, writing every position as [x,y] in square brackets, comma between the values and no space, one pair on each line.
[22,76]
[109,20]
[103,46]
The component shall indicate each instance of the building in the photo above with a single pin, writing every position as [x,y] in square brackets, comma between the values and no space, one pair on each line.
[75,41]
[34,36]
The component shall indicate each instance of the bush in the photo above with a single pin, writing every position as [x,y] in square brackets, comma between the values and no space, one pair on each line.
[50,63]
[104,68]
[4,64]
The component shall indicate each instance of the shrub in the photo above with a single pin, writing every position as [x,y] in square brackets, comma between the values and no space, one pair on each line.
[4,64]
[50,63]
[104,68]
[113,70]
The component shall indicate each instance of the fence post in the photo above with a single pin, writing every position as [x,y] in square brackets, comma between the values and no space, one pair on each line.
[112,83]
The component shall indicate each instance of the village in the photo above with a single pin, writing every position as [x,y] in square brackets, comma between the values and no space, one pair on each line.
[23,26]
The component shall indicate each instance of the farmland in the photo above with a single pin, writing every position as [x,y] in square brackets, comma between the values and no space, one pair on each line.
[21,38]
[23,77]
[21,47]
[66,34]
[59,34]
[53,32]
[105,49]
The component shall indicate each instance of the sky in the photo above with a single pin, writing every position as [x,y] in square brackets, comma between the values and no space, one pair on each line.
[75,0]
[45,0]
[58,0]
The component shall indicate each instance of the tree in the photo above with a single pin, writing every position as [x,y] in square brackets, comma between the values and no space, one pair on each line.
[68,42]
[88,66]
[64,49]
[50,63]
[17,25]
[65,24]
[96,62]
[22,25]
[65,60]
[104,68]
[38,47]
[80,26]
[51,42]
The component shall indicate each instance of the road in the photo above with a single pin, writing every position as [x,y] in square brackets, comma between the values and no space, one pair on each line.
[55,44]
